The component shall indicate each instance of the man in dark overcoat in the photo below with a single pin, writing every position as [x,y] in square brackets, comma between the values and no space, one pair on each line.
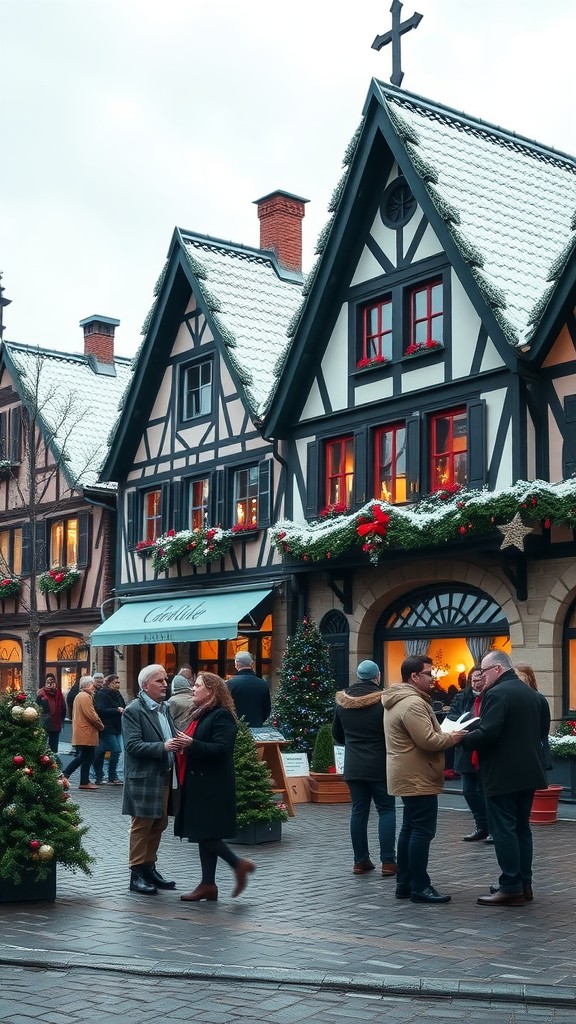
[508,741]
[250,693]
[150,740]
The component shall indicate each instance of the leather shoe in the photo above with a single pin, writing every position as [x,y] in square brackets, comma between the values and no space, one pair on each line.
[528,892]
[157,879]
[476,836]
[428,895]
[243,869]
[502,899]
[363,867]
[89,785]
[389,869]
[489,841]
[204,891]
[402,892]
[140,884]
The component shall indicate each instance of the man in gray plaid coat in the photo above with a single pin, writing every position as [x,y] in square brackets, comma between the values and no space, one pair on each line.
[150,740]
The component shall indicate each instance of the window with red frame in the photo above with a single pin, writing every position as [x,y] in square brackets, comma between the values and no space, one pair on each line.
[390,463]
[426,317]
[339,471]
[152,515]
[377,333]
[199,497]
[449,449]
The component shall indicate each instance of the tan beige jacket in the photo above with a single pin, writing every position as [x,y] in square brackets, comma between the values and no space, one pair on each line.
[415,743]
[86,723]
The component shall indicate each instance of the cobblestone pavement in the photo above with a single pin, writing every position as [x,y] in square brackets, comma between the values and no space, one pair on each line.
[304,918]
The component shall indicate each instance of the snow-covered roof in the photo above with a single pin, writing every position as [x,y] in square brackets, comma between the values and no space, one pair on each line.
[509,203]
[78,406]
[252,299]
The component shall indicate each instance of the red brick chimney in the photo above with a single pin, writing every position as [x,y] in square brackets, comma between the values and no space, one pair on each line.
[280,214]
[99,337]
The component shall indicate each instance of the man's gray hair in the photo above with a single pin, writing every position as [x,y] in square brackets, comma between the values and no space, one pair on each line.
[500,658]
[147,672]
[97,675]
[85,681]
[244,659]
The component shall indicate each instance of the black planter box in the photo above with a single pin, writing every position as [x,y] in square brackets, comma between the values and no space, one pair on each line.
[29,888]
[564,774]
[259,832]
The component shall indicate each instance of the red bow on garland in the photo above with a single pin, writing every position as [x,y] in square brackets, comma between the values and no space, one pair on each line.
[378,527]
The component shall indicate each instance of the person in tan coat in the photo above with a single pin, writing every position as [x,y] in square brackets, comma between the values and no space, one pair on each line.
[415,748]
[86,726]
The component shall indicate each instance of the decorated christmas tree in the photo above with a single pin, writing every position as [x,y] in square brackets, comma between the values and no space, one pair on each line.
[38,825]
[305,699]
[255,799]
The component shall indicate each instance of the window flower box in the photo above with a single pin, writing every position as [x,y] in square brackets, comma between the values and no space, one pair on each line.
[58,579]
[417,348]
[370,364]
[145,548]
[244,530]
[9,586]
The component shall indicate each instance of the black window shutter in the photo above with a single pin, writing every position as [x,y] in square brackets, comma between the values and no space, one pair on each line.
[83,539]
[4,453]
[312,480]
[477,444]
[131,507]
[41,546]
[361,467]
[165,507]
[219,509]
[15,417]
[26,549]
[176,509]
[264,493]
[413,441]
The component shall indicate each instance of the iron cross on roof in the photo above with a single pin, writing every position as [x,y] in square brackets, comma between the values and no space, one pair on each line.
[398,29]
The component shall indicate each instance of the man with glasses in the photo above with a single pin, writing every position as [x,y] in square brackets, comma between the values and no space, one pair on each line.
[508,741]
[415,748]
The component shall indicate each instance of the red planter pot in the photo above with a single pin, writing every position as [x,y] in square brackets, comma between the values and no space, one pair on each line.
[545,806]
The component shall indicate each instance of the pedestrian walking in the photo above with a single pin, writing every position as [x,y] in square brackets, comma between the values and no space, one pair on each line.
[53,707]
[250,693]
[109,704]
[86,726]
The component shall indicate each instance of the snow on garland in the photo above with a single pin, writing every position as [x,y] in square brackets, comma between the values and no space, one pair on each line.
[441,518]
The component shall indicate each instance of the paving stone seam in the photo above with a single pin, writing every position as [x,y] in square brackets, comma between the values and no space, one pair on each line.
[389,985]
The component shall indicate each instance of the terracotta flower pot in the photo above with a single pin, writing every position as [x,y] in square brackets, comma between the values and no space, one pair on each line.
[545,806]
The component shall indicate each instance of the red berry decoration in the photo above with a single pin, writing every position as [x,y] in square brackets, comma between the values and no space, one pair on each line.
[46,761]
[34,844]
[18,761]
[21,697]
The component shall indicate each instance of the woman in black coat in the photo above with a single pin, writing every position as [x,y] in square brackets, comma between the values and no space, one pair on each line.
[207,812]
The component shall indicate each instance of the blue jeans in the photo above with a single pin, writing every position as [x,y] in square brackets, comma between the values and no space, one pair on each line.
[362,794]
[474,797]
[417,832]
[108,741]
[508,821]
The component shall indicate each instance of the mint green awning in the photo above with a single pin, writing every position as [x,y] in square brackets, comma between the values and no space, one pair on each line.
[209,617]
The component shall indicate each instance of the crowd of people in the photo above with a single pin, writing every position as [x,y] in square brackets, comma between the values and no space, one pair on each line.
[178,759]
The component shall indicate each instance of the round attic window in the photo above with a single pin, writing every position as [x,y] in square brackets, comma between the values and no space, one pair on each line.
[398,204]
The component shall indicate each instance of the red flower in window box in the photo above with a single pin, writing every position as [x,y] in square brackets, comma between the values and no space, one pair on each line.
[244,528]
[362,364]
[338,508]
[422,346]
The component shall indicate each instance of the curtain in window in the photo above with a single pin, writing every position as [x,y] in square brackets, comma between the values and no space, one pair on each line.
[479,646]
[416,647]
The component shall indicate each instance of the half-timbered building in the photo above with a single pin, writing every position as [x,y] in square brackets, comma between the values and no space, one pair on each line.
[57,522]
[426,408]
[199,482]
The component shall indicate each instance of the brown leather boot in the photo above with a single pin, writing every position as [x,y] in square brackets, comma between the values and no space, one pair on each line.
[204,891]
[243,869]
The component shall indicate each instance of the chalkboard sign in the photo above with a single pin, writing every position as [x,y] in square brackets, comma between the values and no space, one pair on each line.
[267,734]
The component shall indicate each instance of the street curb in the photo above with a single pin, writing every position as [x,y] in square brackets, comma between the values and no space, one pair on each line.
[415,988]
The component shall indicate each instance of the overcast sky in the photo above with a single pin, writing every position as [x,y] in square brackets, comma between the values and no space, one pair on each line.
[121,119]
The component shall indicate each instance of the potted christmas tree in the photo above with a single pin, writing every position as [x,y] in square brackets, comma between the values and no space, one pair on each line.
[38,826]
[259,815]
[326,785]
[305,698]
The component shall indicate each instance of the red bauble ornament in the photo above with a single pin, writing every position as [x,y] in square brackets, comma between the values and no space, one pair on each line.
[18,761]
[462,530]
[21,697]
[34,844]
[27,771]
[46,761]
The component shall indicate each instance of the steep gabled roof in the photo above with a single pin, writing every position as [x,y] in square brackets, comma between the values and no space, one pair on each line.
[76,406]
[502,206]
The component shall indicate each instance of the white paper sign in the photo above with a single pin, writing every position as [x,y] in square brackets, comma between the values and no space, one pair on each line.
[295,765]
[339,759]
[456,726]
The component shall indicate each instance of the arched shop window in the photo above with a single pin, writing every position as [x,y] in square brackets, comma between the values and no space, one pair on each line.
[335,631]
[445,622]
[66,655]
[569,662]
[10,664]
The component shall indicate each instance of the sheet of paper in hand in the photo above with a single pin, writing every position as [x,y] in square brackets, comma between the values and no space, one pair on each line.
[461,723]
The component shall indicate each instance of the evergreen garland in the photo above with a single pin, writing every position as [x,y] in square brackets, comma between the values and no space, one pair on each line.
[37,823]
[255,800]
[305,698]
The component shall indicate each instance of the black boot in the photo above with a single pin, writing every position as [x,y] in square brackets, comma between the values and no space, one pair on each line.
[154,876]
[140,883]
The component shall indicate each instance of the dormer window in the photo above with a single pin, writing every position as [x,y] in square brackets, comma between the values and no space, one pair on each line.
[377,333]
[197,390]
[426,317]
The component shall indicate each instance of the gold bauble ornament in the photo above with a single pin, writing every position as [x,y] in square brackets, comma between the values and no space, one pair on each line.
[17,711]
[29,714]
[46,852]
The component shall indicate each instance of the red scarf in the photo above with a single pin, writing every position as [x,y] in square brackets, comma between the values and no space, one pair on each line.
[474,760]
[182,754]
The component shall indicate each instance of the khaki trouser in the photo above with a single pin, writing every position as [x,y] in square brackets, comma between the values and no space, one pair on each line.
[146,833]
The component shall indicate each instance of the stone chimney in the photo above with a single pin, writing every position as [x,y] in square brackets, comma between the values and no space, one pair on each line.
[99,337]
[280,214]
